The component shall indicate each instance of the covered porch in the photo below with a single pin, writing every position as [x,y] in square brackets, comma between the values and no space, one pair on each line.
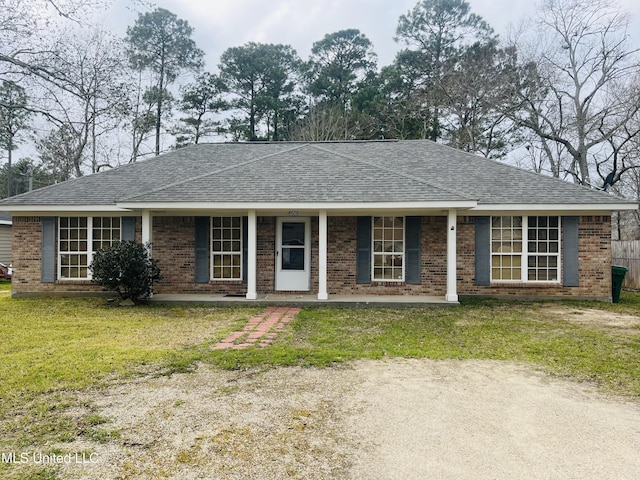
[291,287]
[303,300]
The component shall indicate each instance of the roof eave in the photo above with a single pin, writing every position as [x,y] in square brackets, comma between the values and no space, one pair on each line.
[583,208]
[473,207]
[303,206]
[50,208]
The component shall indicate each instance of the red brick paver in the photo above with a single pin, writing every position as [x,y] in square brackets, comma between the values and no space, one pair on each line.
[260,330]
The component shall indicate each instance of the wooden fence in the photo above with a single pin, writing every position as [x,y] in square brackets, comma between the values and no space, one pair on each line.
[626,253]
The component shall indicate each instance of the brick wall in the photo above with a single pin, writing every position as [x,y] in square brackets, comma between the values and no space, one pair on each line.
[266,254]
[173,246]
[594,263]
[341,261]
[594,246]
[27,255]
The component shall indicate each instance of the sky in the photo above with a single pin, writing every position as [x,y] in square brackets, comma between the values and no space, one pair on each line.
[220,24]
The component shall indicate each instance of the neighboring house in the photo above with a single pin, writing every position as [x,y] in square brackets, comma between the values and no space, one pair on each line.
[5,238]
[333,218]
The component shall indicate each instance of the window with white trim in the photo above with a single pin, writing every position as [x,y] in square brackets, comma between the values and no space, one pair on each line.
[106,230]
[388,249]
[78,239]
[506,248]
[226,248]
[543,249]
[539,261]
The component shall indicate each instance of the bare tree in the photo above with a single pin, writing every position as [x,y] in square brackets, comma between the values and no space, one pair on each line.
[90,98]
[68,74]
[58,153]
[24,25]
[326,122]
[577,78]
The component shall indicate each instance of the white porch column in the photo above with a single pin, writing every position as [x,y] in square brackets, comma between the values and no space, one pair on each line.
[147,234]
[322,256]
[452,290]
[147,227]
[252,254]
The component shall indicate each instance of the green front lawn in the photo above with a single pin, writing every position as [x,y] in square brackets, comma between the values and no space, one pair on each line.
[516,332]
[51,348]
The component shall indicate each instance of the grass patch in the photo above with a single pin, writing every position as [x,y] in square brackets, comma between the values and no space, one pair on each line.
[491,330]
[58,344]
[52,348]
[5,286]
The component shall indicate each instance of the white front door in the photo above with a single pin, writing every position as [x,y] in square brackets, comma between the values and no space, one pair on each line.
[293,254]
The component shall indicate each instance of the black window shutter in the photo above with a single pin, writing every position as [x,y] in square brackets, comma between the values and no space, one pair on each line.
[48,266]
[363,247]
[483,250]
[570,273]
[202,249]
[413,263]
[245,247]
[128,228]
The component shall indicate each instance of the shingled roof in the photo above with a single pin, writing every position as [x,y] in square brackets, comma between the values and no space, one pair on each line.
[316,172]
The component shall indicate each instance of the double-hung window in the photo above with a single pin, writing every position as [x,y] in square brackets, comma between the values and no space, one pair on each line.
[79,238]
[525,249]
[388,248]
[543,249]
[226,248]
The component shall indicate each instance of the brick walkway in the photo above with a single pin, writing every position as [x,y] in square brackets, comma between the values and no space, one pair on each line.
[260,330]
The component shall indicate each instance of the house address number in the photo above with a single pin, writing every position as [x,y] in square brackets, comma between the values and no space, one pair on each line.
[294,213]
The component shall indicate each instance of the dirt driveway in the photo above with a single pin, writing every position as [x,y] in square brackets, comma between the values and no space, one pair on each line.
[394,419]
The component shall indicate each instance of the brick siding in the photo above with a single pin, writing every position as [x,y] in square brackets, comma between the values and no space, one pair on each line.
[27,255]
[174,247]
[341,261]
[594,247]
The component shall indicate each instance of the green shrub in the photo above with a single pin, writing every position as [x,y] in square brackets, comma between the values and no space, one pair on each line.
[127,268]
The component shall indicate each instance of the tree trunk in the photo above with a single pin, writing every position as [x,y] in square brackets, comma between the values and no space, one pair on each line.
[275,126]
[160,98]
[435,124]
[158,117]
[94,154]
[10,171]
[252,117]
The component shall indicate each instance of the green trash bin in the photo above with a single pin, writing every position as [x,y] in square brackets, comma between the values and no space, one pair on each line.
[617,277]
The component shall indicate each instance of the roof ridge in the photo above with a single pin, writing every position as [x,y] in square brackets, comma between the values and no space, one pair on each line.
[400,174]
[215,172]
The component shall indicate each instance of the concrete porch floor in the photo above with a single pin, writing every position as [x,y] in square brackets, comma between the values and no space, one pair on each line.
[306,300]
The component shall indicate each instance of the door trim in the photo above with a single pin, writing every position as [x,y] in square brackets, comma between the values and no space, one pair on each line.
[303,284]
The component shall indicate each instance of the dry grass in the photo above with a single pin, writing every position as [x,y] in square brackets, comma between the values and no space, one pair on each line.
[52,347]
[55,349]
